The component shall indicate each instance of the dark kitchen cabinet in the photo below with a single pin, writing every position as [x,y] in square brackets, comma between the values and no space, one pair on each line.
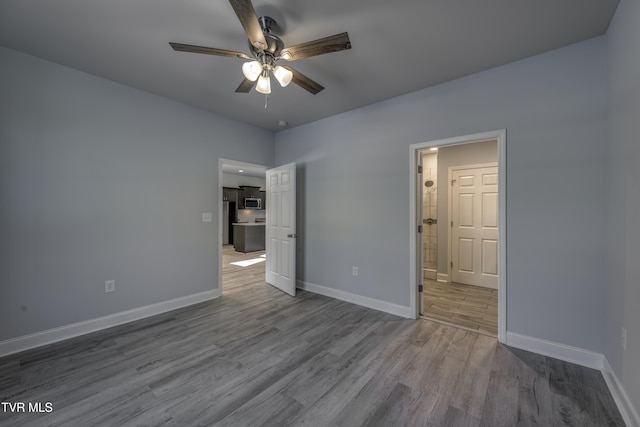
[229,194]
[263,197]
[250,192]
[249,238]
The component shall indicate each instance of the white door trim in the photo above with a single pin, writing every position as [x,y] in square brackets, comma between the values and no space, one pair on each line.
[419,196]
[501,137]
[450,171]
[219,203]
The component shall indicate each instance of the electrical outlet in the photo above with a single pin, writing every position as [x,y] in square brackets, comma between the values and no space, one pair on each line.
[207,217]
[109,286]
[354,270]
[623,338]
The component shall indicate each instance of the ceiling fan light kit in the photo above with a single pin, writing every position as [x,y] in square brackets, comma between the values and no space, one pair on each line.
[264,83]
[266,49]
[252,70]
[283,75]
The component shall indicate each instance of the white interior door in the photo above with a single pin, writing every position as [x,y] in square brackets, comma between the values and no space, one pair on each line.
[281,228]
[474,226]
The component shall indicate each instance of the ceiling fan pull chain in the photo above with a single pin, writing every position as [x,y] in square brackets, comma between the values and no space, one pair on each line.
[266,101]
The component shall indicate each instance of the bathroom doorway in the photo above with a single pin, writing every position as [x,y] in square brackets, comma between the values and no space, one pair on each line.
[458,245]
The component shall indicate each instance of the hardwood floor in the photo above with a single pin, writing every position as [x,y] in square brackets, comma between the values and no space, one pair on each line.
[256,356]
[471,307]
[236,276]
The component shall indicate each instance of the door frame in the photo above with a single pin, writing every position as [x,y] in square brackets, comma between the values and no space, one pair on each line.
[415,271]
[450,171]
[218,196]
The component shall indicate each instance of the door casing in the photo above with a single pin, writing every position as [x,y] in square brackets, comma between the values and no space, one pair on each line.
[415,264]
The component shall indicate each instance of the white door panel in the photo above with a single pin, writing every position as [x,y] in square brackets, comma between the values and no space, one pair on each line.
[489,210]
[465,255]
[490,179]
[467,181]
[489,257]
[281,228]
[474,229]
[465,213]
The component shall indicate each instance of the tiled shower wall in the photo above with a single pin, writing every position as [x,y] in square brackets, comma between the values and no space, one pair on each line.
[430,210]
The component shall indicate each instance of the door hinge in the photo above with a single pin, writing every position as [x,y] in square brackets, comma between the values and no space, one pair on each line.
[451,264]
[420,288]
[419,168]
[451,224]
[420,229]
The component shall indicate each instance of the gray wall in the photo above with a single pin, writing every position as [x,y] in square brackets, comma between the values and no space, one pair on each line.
[459,155]
[355,194]
[623,155]
[100,181]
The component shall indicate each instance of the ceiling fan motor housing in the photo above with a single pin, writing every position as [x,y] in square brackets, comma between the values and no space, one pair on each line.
[274,43]
[267,23]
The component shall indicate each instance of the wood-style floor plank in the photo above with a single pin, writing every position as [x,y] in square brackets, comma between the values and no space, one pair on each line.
[256,357]
[471,307]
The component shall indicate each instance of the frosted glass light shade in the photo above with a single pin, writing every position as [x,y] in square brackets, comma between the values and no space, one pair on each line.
[283,75]
[251,70]
[264,85]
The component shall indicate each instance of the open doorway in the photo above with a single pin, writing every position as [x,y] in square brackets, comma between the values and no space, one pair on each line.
[242,215]
[460,235]
[458,206]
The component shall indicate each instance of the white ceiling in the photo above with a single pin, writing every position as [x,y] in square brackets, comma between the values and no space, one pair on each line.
[397,47]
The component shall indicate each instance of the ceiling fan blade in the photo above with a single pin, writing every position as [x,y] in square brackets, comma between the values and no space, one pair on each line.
[249,20]
[329,44]
[246,86]
[208,50]
[305,82]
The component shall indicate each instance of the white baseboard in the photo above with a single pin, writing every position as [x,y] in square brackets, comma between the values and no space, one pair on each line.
[581,357]
[443,277]
[26,342]
[628,412]
[376,304]
[568,353]
[429,274]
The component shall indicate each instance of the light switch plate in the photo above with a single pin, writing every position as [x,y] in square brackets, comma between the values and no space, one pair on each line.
[207,217]
[109,286]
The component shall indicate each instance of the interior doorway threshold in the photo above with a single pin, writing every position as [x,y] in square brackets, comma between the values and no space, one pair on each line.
[464,328]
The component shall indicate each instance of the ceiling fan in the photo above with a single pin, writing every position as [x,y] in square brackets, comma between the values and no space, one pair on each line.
[267,49]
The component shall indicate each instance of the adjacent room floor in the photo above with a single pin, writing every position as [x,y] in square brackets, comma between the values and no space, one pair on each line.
[471,307]
[240,269]
[256,356]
